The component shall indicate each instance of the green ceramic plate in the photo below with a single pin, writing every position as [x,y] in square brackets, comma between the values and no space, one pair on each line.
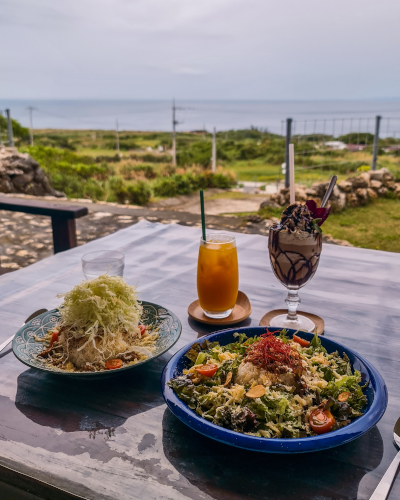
[26,348]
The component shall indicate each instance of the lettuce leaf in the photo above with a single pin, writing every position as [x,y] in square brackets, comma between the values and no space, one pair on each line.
[348,383]
[185,390]
[240,419]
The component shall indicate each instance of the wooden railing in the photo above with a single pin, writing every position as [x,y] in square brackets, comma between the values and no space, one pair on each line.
[62,218]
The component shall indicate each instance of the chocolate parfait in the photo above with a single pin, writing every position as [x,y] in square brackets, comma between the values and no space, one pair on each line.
[295,243]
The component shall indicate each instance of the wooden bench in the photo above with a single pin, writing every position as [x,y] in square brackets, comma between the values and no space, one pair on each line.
[62,218]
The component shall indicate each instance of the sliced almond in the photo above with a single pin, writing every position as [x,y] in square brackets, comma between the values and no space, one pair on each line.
[228,379]
[256,392]
[344,396]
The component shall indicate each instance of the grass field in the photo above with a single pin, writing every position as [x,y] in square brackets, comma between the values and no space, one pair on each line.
[145,163]
[257,169]
[375,226]
[249,154]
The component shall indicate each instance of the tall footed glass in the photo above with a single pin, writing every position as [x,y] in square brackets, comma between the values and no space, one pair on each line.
[294,259]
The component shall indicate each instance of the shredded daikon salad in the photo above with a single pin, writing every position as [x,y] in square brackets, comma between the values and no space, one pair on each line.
[99,328]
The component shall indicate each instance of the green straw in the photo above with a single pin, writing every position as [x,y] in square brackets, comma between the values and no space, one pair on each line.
[203,221]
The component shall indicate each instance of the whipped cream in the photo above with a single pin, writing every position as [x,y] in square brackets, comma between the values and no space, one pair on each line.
[296,237]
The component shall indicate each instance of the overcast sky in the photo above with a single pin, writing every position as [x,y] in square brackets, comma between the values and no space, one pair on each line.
[199,49]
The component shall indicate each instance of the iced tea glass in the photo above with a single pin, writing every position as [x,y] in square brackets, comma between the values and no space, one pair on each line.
[217,275]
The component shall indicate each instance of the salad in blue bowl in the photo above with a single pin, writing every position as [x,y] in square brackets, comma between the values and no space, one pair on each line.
[274,390]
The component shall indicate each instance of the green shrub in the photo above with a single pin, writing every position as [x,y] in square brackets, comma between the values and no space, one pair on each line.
[340,167]
[148,171]
[84,171]
[75,187]
[94,190]
[69,184]
[118,191]
[249,151]
[19,132]
[199,153]
[49,157]
[129,137]
[178,184]
[391,195]
[221,181]
[137,193]
[75,175]
[168,170]
[357,138]
[166,187]
[55,141]
[151,158]
[364,168]
[103,158]
[184,184]
[127,144]
[250,133]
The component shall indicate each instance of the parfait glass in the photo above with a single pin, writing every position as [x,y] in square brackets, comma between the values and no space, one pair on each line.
[294,259]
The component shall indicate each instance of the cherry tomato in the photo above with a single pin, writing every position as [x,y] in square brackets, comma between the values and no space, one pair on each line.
[142,329]
[321,421]
[54,338]
[112,364]
[207,370]
[302,342]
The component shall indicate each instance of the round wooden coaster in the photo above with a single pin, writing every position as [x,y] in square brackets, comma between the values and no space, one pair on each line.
[319,322]
[241,311]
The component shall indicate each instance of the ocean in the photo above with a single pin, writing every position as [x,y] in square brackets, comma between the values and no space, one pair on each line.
[337,117]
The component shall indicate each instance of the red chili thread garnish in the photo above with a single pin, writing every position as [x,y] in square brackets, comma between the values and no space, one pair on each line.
[270,353]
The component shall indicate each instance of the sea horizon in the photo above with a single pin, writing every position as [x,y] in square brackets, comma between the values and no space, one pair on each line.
[197,114]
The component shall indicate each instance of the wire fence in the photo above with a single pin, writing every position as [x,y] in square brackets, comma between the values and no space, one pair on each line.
[342,146]
[339,127]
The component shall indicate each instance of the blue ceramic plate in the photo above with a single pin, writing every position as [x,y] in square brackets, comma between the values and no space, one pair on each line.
[376,393]
[26,348]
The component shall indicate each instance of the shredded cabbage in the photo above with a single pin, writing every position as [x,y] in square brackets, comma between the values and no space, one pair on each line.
[105,306]
[142,350]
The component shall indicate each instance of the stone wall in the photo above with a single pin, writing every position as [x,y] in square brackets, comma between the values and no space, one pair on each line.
[20,173]
[352,192]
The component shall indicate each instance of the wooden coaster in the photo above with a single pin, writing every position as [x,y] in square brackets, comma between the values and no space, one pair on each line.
[241,311]
[319,322]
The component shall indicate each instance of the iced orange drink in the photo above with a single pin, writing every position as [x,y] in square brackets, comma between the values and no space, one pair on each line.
[217,275]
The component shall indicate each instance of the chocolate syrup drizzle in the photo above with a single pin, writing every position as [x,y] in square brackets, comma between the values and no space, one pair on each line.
[301,269]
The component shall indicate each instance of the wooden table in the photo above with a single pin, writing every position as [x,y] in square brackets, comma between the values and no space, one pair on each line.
[115,439]
[62,218]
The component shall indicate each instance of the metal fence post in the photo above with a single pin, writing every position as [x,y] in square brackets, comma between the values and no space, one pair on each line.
[214,152]
[10,130]
[376,143]
[288,138]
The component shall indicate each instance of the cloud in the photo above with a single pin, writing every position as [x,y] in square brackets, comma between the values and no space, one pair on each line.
[190,71]
[243,49]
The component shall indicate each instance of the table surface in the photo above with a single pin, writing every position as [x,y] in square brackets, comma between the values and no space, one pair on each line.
[116,439]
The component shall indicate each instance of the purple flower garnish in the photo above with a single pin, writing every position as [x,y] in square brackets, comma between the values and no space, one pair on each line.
[318,213]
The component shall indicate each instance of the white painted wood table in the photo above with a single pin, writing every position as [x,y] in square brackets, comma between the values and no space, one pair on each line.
[115,439]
